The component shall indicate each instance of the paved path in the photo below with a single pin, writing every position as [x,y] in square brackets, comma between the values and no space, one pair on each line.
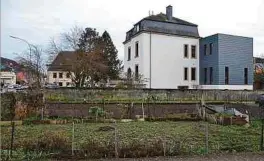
[222,157]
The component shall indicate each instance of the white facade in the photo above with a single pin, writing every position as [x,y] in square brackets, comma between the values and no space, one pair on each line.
[161,60]
[59,77]
[8,77]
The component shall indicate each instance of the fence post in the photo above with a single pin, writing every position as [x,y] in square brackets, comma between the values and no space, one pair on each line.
[12,137]
[143,112]
[116,142]
[42,113]
[206,137]
[72,137]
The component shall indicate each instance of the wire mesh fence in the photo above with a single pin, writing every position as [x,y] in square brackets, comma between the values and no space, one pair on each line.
[123,139]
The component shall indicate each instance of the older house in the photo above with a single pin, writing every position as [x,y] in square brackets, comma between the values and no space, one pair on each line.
[58,72]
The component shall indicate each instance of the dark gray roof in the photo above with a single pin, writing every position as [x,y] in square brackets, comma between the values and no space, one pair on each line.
[163,18]
[62,61]
[161,24]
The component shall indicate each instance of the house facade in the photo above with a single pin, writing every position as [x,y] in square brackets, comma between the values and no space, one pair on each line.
[226,62]
[170,54]
[8,77]
[164,50]
[57,71]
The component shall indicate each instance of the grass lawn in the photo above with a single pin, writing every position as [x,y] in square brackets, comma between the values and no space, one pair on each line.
[189,135]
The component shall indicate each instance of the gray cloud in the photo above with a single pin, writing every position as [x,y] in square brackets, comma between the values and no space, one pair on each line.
[37,21]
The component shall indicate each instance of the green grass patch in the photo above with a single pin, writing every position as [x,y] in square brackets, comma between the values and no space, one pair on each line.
[135,139]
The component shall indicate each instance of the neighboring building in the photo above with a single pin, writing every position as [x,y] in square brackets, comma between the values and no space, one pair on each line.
[164,50]
[8,77]
[57,70]
[12,72]
[258,73]
[226,62]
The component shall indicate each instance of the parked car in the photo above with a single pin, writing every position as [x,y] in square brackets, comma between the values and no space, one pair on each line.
[260,99]
[51,86]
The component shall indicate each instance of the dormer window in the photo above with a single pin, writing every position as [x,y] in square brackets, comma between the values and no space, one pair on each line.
[137,28]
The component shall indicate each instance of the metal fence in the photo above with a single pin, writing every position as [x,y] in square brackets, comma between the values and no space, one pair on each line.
[79,139]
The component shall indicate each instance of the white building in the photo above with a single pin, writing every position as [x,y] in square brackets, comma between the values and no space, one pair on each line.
[8,77]
[58,72]
[164,50]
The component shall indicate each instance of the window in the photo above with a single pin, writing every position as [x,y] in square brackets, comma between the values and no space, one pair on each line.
[185,51]
[185,73]
[68,75]
[129,73]
[136,72]
[193,51]
[54,75]
[129,54]
[211,49]
[226,75]
[205,75]
[211,75]
[205,49]
[67,84]
[193,73]
[60,75]
[60,84]
[137,28]
[245,75]
[136,49]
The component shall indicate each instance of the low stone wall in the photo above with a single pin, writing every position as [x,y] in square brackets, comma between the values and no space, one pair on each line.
[120,94]
[128,111]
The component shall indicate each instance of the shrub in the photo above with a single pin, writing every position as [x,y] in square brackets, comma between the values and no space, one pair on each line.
[48,142]
[8,102]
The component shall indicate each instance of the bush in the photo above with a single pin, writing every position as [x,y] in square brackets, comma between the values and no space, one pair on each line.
[8,102]
[48,142]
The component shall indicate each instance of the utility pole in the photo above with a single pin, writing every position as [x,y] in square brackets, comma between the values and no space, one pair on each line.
[30,49]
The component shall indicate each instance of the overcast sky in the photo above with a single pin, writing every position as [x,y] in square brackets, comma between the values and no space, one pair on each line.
[39,20]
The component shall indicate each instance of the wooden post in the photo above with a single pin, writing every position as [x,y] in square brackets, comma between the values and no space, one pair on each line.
[206,137]
[143,112]
[72,138]
[42,113]
[12,137]
[116,142]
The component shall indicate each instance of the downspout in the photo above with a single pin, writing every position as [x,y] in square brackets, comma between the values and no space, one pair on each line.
[150,60]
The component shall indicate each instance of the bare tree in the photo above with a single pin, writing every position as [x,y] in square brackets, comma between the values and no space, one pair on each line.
[53,49]
[67,41]
[70,39]
[33,63]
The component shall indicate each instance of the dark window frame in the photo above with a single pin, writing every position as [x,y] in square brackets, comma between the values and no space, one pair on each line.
[60,75]
[136,72]
[136,49]
[205,49]
[211,49]
[245,75]
[211,70]
[205,75]
[60,84]
[54,75]
[193,51]
[226,75]
[68,75]
[193,74]
[185,51]
[129,53]
[185,73]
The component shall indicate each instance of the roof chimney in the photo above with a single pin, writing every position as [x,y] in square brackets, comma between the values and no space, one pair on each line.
[169,12]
